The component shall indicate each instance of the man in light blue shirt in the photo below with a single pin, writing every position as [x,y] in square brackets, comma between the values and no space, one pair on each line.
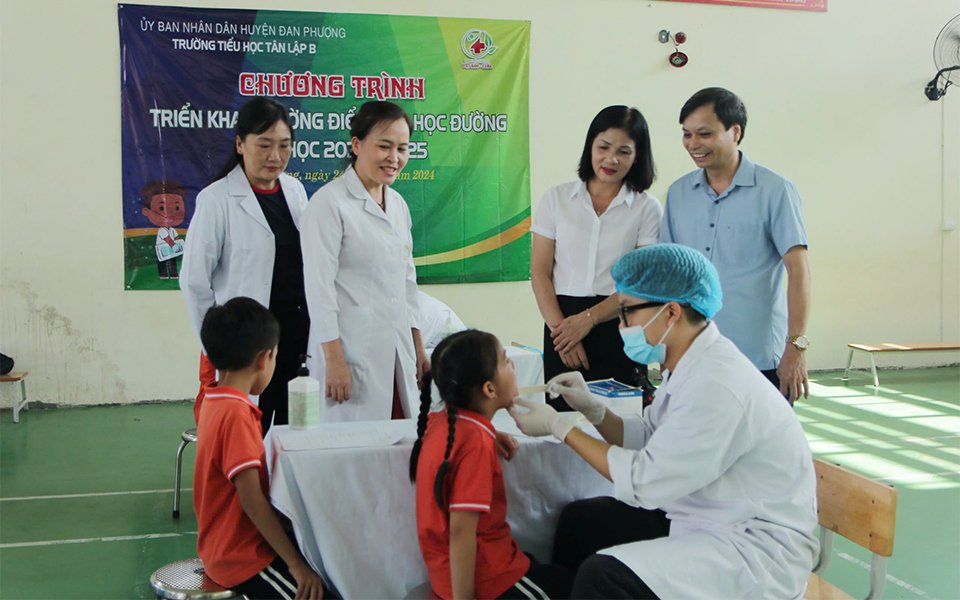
[747,220]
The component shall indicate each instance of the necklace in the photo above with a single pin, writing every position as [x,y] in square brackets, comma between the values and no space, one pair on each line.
[604,201]
[599,211]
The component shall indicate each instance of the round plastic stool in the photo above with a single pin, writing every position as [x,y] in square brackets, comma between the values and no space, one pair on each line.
[186,580]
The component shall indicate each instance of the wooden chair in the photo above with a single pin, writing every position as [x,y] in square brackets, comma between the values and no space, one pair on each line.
[21,402]
[860,509]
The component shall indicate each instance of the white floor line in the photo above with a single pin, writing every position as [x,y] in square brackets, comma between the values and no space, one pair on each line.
[93,495]
[890,577]
[122,538]
[875,441]
[916,476]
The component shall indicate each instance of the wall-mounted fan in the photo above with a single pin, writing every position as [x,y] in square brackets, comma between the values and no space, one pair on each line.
[946,56]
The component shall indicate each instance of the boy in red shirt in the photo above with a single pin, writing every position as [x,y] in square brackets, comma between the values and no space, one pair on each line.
[241,542]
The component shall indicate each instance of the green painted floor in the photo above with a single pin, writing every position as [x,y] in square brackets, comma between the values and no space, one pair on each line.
[86,493]
[906,433]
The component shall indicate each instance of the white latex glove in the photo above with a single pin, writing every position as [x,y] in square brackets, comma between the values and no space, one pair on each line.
[541,419]
[575,391]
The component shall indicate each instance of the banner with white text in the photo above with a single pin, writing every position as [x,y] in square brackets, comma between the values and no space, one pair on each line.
[186,71]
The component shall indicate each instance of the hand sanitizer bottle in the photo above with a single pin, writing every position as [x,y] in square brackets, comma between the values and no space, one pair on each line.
[303,398]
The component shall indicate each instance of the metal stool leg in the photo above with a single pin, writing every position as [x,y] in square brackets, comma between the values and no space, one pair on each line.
[873,369]
[22,402]
[846,372]
[176,485]
[16,406]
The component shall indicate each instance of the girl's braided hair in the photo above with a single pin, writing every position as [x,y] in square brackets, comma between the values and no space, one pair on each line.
[461,364]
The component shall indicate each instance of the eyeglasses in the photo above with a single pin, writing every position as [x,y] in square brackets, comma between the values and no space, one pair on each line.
[623,311]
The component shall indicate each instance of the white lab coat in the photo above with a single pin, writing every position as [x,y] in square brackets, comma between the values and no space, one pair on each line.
[437,321]
[724,455]
[361,287]
[230,247]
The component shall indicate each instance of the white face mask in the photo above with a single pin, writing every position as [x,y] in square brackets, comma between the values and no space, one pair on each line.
[635,343]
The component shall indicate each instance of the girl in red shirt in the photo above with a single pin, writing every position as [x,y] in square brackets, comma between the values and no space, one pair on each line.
[461,500]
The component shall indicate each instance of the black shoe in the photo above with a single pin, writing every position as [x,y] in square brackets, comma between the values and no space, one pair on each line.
[6,364]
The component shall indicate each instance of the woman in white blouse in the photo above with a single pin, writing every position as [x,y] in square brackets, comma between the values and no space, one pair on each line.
[580,229]
[361,284]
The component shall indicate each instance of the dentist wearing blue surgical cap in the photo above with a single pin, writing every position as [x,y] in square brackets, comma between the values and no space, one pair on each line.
[714,487]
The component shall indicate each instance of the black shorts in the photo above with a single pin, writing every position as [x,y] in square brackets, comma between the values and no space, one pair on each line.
[273,583]
[541,582]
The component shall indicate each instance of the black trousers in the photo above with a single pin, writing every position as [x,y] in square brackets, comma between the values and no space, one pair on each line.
[771,374]
[294,331]
[167,269]
[542,582]
[603,345]
[587,526]
[606,577]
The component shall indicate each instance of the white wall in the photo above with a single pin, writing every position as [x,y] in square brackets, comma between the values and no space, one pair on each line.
[835,103]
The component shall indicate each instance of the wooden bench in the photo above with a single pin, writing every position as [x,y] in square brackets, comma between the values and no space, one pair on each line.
[872,349]
[14,377]
[860,509]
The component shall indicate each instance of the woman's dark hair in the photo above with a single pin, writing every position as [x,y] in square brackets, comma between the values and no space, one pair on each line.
[727,105]
[461,364]
[235,333]
[642,173]
[255,116]
[372,114]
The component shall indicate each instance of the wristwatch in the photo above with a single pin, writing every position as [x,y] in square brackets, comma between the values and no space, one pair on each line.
[800,342]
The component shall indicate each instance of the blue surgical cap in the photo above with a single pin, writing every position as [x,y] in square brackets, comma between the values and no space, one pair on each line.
[670,273]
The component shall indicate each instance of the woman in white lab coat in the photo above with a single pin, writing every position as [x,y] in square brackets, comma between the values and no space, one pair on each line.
[244,241]
[714,487]
[361,284]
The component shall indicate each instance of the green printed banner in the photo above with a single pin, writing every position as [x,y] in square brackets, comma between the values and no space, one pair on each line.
[186,71]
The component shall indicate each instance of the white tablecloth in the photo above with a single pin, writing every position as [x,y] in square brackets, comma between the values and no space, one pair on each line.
[353,509]
[529,364]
